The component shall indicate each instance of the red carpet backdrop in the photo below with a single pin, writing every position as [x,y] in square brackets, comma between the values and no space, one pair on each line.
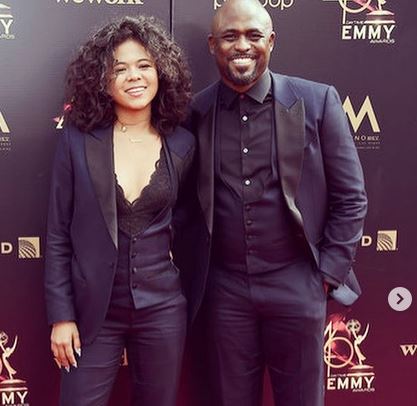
[365,48]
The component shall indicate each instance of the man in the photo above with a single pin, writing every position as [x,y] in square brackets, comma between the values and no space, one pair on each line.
[282,201]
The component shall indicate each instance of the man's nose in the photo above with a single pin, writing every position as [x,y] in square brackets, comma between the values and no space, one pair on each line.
[242,44]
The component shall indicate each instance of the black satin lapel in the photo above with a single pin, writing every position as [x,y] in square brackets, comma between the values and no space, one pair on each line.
[206,166]
[99,154]
[290,135]
[173,175]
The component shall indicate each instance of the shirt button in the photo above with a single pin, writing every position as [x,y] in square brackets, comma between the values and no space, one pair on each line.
[133,255]
[134,239]
[250,252]
[247,182]
[134,286]
[248,222]
[134,270]
[247,207]
[249,236]
[245,118]
[245,150]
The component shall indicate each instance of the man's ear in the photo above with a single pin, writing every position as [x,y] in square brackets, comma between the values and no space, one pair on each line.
[211,43]
[271,41]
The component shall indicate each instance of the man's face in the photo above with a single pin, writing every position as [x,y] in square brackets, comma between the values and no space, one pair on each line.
[241,42]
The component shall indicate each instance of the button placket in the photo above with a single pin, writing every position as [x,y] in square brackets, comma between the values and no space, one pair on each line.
[244,142]
[133,264]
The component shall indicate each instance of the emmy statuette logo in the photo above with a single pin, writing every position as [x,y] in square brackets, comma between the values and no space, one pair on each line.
[366,20]
[13,391]
[346,362]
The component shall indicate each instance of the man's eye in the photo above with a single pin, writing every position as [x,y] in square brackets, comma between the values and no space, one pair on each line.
[255,37]
[229,37]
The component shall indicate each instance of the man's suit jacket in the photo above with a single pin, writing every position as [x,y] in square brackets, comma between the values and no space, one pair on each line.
[81,251]
[321,179]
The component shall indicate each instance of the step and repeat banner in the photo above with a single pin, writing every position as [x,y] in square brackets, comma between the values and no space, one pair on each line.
[365,48]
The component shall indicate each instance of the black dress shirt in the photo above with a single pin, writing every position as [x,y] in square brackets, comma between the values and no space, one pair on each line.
[253,230]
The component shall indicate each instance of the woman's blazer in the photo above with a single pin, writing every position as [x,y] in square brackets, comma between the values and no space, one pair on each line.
[81,249]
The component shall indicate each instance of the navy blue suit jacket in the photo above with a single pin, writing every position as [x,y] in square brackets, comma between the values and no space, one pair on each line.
[320,173]
[81,250]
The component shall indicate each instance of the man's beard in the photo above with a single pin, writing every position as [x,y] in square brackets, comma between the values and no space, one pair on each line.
[244,78]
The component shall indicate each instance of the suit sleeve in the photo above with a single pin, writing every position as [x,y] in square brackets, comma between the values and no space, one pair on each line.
[346,193]
[186,191]
[59,252]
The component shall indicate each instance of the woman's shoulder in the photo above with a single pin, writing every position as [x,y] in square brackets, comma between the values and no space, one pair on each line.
[181,141]
[71,132]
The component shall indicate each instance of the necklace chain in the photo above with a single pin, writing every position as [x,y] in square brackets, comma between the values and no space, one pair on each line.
[124,128]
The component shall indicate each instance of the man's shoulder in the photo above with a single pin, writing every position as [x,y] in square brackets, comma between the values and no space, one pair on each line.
[181,141]
[300,86]
[205,98]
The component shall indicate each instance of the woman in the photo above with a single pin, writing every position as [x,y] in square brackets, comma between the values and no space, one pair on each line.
[110,280]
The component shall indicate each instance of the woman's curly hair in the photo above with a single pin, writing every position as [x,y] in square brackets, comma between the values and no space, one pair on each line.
[89,73]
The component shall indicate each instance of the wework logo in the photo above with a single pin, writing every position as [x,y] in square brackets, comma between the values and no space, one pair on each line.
[109,2]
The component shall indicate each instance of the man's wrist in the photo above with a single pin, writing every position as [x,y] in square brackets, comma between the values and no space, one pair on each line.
[332,282]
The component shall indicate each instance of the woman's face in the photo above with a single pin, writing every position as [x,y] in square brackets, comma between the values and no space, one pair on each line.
[134,79]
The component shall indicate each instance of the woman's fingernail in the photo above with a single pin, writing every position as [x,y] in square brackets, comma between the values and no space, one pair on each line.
[78,351]
[67,369]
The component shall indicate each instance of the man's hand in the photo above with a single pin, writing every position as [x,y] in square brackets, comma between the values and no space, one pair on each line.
[64,341]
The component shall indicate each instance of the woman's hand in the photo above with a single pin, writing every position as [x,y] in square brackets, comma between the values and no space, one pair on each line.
[64,341]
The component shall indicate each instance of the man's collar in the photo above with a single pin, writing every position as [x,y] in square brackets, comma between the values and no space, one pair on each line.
[257,92]
[261,88]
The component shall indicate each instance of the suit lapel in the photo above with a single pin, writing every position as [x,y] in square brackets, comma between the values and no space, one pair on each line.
[206,166]
[206,109]
[99,155]
[290,132]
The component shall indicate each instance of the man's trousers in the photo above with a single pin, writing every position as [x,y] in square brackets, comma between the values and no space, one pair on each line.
[272,320]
